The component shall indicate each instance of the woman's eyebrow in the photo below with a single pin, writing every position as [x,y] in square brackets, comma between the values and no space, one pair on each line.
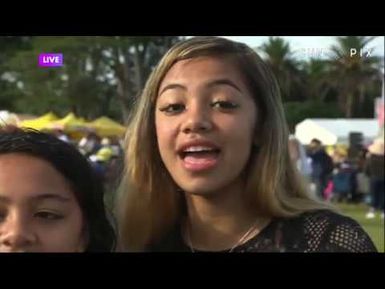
[40,197]
[223,81]
[173,86]
[55,197]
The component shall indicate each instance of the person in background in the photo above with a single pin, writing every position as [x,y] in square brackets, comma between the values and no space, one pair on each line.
[322,166]
[374,168]
[299,157]
[344,182]
[100,161]
[59,133]
[89,144]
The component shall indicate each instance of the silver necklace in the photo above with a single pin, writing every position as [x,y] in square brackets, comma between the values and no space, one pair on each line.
[240,241]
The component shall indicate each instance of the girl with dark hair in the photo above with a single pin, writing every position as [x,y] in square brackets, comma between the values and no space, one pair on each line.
[50,200]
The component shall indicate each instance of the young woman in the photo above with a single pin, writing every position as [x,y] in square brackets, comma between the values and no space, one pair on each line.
[50,200]
[207,162]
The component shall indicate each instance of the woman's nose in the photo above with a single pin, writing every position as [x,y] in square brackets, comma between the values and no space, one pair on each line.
[16,234]
[198,119]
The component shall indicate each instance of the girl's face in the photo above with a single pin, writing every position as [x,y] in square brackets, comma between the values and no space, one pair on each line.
[38,209]
[205,120]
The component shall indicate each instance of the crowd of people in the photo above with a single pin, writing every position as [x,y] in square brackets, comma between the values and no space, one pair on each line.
[336,177]
[105,155]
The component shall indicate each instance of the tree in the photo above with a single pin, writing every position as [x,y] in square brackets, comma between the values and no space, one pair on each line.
[299,111]
[353,74]
[9,46]
[100,75]
[280,58]
[133,60]
[317,80]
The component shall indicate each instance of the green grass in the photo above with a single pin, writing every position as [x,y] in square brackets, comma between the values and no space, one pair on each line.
[374,227]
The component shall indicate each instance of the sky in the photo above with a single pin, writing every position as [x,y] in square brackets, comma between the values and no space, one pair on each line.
[310,46]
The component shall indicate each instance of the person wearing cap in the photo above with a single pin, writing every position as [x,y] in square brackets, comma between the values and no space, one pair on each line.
[99,162]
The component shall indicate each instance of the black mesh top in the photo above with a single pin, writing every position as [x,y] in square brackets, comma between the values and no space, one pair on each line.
[316,231]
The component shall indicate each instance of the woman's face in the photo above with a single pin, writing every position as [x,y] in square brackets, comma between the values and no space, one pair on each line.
[38,209]
[205,119]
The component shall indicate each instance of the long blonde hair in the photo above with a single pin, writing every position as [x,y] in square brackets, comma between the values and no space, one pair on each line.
[150,203]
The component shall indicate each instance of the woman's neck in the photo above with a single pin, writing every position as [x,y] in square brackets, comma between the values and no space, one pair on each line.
[217,222]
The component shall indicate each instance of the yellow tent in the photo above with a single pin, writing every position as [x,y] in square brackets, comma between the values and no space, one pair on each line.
[105,127]
[73,126]
[69,123]
[40,122]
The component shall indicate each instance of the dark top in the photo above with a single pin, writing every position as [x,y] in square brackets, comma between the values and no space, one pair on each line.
[322,164]
[316,231]
[375,166]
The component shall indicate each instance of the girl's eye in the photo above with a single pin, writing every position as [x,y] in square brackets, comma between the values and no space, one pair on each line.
[172,108]
[224,105]
[2,216]
[48,215]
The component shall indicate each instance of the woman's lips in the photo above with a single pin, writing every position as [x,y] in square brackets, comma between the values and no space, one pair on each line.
[199,154]
[200,161]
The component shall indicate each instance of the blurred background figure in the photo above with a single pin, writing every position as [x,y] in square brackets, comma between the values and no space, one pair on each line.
[89,144]
[301,161]
[113,144]
[344,182]
[374,168]
[105,142]
[322,166]
[61,135]
[363,186]
[99,162]
[7,117]
[107,163]
[299,157]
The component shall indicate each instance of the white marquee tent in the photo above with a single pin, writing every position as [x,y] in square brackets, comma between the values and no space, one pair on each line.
[333,131]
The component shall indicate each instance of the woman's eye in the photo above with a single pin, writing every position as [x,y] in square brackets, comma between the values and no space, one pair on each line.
[2,216]
[48,216]
[172,108]
[224,105]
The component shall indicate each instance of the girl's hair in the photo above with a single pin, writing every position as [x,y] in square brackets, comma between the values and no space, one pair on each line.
[68,161]
[150,202]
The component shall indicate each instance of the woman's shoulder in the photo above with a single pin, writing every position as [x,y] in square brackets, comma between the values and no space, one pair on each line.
[324,216]
[328,231]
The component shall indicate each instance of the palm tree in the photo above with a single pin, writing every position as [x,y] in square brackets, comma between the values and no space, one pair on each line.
[279,56]
[353,74]
[317,79]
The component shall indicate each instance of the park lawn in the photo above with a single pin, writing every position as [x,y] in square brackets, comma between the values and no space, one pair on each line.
[374,227]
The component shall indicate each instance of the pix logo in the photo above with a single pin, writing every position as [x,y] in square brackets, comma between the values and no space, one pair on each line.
[50,59]
[362,52]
